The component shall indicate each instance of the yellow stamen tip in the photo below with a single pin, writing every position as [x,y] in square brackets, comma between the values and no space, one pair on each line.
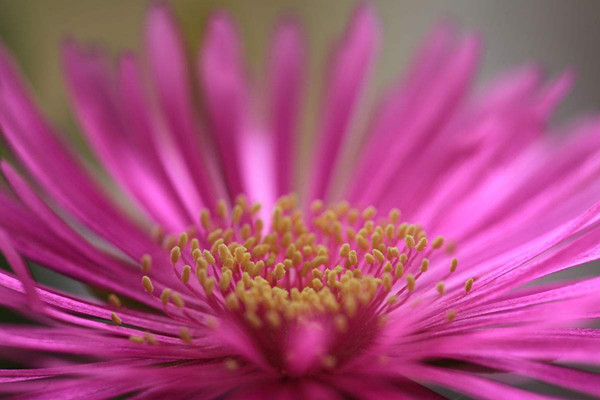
[422,244]
[438,242]
[453,264]
[147,283]
[183,240]
[146,262]
[440,287]
[185,274]
[136,339]
[115,318]
[114,300]
[177,300]
[469,285]
[450,315]
[185,336]
[410,282]
[165,296]
[175,254]
[230,364]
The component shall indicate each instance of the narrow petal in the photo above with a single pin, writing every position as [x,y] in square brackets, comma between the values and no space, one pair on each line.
[286,64]
[347,76]
[170,75]
[221,74]
[16,262]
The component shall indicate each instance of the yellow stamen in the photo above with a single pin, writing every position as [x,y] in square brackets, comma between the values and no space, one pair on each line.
[136,339]
[183,239]
[230,364]
[114,300]
[440,287]
[453,265]
[115,318]
[150,339]
[409,240]
[146,262]
[165,296]
[450,315]
[438,242]
[175,254]
[410,282]
[177,300]
[147,283]
[469,285]
[185,336]
[185,274]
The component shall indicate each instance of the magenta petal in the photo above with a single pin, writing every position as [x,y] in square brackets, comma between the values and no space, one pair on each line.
[15,261]
[51,163]
[170,75]
[286,64]
[350,64]
[221,74]
[469,384]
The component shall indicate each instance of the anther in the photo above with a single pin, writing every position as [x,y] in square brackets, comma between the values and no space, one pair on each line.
[115,318]
[440,287]
[114,300]
[410,282]
[185,336]
[378,256]
[469,285]
[177,300]
[175,254]
[352,257]
[230,364]
[205,219]
[147,283]
[369,212]
[424,265]
[150,339]
[136,339]
[453,264]
[165,296]
[438,242]
[222,209]
[232,301]
[183,239]
[146,262]
[450,315]
[185,274]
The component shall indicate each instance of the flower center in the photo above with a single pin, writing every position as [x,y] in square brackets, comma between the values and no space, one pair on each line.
[330,274]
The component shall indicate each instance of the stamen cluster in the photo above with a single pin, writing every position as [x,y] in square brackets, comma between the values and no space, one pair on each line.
[339,267]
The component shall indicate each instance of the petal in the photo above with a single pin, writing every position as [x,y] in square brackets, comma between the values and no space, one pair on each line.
[286,64]
[351,62]
[221,73]
[169,73]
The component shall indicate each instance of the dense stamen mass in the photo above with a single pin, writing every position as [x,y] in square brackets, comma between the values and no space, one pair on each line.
[337,267]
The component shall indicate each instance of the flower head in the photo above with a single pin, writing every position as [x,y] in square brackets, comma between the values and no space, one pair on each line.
[219,283]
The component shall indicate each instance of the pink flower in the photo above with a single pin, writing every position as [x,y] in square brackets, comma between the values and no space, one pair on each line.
[298,299]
